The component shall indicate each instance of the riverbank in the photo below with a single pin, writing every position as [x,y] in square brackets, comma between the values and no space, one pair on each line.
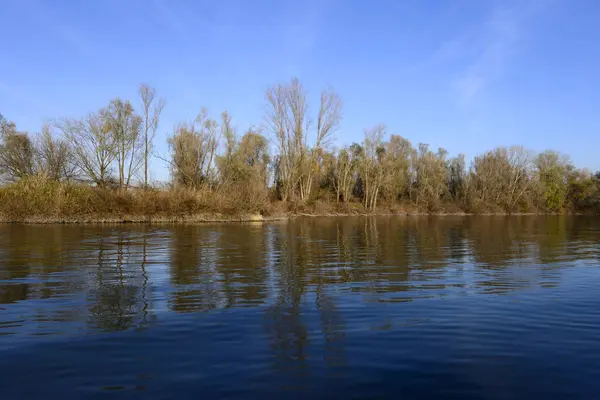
[140,219]
[216,218]
[39,201]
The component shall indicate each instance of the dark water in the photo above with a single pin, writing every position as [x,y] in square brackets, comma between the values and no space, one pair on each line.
[406,307]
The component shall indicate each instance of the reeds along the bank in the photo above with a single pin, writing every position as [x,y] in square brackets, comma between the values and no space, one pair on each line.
[40,197]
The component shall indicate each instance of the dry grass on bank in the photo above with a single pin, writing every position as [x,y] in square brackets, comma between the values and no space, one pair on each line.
[39,198]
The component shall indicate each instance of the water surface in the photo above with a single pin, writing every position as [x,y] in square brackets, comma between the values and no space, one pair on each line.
[413,307]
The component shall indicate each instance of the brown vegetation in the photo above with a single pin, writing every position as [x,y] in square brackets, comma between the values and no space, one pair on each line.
[96,168]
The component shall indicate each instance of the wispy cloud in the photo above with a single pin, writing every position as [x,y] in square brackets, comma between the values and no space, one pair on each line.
[501,36]
[491,48]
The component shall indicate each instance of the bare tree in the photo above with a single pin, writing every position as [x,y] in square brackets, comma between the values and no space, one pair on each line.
[521,163]
[372,169]
[431,183]
[187,153]
[248,162]
[193,151]
[213,140]
[151,112]
[125,128]
[288,120]
[502,176]
[229,133]
[55,156]
[93,145]
[6,127]
[457,178]
[16,155]
[347,163]
[397,165]
[16,152]
[328,120]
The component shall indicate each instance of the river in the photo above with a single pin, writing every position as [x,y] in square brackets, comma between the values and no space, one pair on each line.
[353,307]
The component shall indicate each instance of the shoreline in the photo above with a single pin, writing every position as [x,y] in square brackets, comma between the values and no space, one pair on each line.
[248,218]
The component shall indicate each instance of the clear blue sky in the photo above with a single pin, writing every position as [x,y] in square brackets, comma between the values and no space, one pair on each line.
[466,75]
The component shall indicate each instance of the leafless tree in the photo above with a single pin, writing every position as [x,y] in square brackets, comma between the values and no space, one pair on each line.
[521,163]
[16,152]
[151,111]
[193,151]
[502,176]
[372,169]
[457,178]
[187,153]
[55,156]
[93,144]
[228,132]
[328,120]
[125,125]
[248,162]
[288,120]
[16,155]
[6,127]
[431,182]
[398,177]
[347,163]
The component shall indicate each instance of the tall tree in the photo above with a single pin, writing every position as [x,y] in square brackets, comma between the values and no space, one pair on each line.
[151,111]
[397,164]
[328,121]
[125,125]
[347,163]
[457,178]
[430,173]
[288,119]
[372,170]
[228,132]
[553,170]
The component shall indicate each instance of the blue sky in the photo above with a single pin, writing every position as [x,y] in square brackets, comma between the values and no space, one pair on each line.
[466,75]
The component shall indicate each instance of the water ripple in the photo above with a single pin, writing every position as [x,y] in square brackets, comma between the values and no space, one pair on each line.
[464,307]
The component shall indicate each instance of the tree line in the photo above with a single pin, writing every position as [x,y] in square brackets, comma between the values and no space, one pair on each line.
[290,160]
